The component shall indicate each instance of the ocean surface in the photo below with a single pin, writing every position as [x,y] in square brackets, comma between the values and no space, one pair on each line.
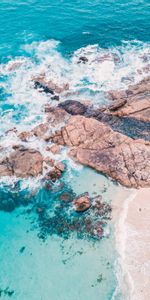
[38,261]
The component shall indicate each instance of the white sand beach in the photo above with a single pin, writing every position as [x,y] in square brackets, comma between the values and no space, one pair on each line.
[132,229]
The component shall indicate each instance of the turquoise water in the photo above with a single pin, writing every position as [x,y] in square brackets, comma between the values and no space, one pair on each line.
[38,259]
[38,263]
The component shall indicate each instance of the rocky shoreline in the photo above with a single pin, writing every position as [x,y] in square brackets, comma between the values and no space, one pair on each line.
[101,138]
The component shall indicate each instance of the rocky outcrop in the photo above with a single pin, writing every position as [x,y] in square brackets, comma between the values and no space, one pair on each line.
[22,163]
[134,102]
[127,125]
[96,145]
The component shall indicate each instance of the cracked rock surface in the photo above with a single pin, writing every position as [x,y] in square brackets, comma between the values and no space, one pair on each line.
[134,102]
[95,144]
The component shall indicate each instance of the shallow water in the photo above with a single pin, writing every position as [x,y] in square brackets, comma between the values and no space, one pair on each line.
[37,259]
[39,262]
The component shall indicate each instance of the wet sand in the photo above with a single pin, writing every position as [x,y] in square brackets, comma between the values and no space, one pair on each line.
[131,213]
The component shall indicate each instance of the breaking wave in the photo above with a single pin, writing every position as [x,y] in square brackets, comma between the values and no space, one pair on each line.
[104,69]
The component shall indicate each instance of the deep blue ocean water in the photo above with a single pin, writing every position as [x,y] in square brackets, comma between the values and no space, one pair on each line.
[49,36]
[74,23]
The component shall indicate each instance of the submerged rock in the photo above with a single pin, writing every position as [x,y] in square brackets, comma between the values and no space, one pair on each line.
[66,197]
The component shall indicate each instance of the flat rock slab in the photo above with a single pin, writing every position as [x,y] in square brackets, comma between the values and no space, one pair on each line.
[95,144]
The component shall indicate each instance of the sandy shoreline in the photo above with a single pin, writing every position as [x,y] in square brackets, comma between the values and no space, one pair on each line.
[131,214]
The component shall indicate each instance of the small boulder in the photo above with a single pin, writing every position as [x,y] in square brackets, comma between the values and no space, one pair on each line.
[24,136]
[82,203]
[53,175]
[60,166]
[73,107]
[83,59]
[55,149]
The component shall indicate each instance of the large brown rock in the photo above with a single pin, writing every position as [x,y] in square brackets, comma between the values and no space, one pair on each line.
[134,102]
[22,163]
[96,145]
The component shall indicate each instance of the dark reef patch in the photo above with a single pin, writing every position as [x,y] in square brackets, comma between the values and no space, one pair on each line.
[6,292]
[51,212]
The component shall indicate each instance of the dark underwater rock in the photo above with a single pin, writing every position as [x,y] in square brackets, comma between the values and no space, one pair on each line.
[22,249]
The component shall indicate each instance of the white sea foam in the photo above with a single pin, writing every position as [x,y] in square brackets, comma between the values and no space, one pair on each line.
[106,69]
